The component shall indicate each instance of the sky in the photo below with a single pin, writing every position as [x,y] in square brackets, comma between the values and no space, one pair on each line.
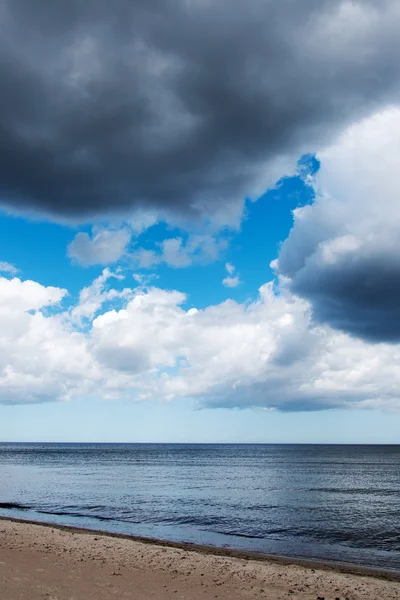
[200,221]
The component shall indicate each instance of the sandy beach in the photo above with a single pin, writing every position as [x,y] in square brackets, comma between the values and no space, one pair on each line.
[39,562]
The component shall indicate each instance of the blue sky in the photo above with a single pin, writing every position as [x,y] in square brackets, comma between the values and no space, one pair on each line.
[199,222]
[180,422]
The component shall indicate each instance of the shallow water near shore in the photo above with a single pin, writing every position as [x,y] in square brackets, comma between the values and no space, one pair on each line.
[339,503]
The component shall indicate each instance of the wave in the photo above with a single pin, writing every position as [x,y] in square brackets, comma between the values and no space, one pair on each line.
[69,511]
[355,491]
[73,513]
[241,535]
[13,506]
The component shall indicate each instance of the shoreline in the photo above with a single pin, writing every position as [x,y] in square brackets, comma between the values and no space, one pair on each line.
[56,562]
[330,566]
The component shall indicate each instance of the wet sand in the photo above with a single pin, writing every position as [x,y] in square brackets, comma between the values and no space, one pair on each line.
[57,563]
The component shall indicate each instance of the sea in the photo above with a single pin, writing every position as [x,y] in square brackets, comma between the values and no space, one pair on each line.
[338,503]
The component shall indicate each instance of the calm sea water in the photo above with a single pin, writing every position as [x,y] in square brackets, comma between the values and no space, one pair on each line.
[337,503]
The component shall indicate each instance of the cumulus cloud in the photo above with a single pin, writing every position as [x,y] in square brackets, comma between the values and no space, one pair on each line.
[21,296]
[341,254]
[45,355]
[179,108]
[40,359]
[103,248]
[147,344]
[231,280]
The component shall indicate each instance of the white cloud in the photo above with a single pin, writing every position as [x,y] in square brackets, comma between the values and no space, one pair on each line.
[263,354]
[175,253]
[92,297]
[142,220]
[179,253]
[103,248]
[144,279]
[41,359]
[142,336]
[5,267]
[18,296]
[146,259]
[106,247]
[230,268]
[267,353]
[232,280]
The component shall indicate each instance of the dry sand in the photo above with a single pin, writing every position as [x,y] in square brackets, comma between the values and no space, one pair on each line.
[51,563]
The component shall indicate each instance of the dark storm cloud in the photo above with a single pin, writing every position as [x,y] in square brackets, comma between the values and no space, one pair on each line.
[177,106]
[359,295]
